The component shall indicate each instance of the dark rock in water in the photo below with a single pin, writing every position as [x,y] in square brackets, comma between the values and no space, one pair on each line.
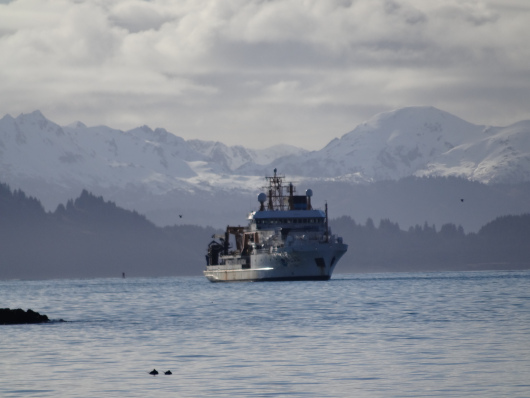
[153,372]
[18,316]
[168,372]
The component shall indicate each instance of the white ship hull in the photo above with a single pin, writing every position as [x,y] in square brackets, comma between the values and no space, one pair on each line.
[311,262]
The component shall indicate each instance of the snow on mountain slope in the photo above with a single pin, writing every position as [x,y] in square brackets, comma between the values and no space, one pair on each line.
[30,145]
[226,158]
[419,141]
[232,158]
[37,154]
[33,147]
[162,175]
[389,146]
[501,155]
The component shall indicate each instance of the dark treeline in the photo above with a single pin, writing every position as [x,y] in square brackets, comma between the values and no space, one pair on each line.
[501,244]
[414,200]
[91,237]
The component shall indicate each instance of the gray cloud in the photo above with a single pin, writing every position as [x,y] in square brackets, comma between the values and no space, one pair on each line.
[238,71]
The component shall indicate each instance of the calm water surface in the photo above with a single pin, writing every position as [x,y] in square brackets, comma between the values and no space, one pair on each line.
[378,335]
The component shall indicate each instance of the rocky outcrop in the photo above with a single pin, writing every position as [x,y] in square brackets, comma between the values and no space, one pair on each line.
[18,316]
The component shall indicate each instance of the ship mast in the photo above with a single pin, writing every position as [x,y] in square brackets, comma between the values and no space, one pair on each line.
[278,194]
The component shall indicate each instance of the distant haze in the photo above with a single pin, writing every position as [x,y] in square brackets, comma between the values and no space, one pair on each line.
[260,73]
[412,165]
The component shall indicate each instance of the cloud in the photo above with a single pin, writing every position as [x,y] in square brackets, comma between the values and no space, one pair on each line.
[138,16]
[298,72]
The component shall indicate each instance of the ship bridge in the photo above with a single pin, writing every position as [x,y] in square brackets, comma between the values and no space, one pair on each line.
[281,208]
[267,219]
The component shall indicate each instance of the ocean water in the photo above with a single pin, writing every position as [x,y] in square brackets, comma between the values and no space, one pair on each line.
[445,334]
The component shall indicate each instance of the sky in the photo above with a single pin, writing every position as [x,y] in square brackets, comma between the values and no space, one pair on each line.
[263,72]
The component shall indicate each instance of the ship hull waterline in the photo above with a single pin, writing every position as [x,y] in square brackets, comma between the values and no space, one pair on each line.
[284,266]
[230,276]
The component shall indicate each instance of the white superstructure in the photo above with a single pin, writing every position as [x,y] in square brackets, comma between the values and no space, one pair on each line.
[286,239]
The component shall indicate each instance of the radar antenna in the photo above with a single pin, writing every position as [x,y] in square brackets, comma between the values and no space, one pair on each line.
[278,194]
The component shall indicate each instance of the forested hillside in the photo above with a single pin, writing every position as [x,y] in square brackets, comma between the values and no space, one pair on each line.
[91,237]
[501,244]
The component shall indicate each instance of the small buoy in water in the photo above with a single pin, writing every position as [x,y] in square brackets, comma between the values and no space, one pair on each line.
[168,372]
[153,372]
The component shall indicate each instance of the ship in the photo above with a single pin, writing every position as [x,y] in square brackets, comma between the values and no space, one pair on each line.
[285,240]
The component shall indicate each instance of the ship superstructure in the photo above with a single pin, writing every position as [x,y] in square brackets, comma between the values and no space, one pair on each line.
[286,239]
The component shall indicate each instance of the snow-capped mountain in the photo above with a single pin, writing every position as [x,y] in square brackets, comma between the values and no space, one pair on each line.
[231,158]
[501,155]
[157,172]
[32,147]
[140,168]
[420,141]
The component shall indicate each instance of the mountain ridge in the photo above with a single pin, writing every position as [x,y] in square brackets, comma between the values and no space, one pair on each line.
[421,141]
[162,175]
[417,141]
